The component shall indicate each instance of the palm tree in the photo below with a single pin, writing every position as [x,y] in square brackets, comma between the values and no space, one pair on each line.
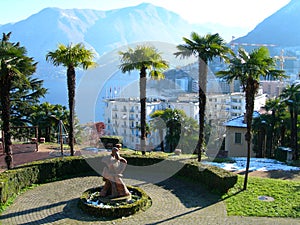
[277,115]
[71,56]
[291,97]
[143,58]
[261,127]
[159,124]
[248,67]
[174,122]
[205,48]
[14,65]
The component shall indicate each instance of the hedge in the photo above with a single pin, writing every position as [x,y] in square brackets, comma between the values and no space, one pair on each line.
[111,141]
[117,211]
[12,181]
[213,177]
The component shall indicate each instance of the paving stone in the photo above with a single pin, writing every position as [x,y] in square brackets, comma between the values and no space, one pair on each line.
[174,202]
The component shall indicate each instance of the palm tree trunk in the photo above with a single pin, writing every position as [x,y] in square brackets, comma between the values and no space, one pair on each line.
[251,88]
[202,79]
[272,136]
[162,145]
[71,95]
[296,155]
[5,102]
[143,108]
[293,129]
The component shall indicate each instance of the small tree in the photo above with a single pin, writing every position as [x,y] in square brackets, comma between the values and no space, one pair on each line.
[46,116]
[157,123]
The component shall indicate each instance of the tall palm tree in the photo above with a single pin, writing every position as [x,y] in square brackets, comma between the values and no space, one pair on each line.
[205,48]
[143,58]
[14,64]
[71,56]
[291,96]
[248,68]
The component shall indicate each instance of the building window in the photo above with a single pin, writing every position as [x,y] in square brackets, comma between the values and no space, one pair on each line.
[238,138]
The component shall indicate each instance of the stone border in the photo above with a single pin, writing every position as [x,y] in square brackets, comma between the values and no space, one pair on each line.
[116,211]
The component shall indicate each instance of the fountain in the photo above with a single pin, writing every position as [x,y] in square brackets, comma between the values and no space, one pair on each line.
[114,199]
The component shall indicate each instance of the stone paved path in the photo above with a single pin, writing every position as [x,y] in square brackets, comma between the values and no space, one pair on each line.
[174,202]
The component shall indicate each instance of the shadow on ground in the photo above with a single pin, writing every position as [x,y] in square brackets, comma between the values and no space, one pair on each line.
[190,194]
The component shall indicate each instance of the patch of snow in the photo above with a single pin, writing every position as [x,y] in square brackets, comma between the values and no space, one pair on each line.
[256,164]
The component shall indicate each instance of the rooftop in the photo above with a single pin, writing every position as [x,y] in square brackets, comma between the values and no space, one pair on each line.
[239,121]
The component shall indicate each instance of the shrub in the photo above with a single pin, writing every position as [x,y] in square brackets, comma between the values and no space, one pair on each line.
[213,177]
[111,141]
[12,181]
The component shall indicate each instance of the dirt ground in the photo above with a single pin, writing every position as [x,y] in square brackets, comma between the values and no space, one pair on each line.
[24,153]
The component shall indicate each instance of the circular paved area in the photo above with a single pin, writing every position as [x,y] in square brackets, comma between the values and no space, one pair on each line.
[174,202]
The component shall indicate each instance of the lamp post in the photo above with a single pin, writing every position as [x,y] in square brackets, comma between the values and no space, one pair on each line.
[61,138]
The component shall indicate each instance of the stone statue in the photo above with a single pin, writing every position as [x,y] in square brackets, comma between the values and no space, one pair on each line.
[112,173]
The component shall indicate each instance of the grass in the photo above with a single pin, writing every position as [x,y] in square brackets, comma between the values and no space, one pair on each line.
[286,196]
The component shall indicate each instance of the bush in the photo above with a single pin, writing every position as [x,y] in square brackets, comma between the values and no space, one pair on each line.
[111,141]
[12,181]
[213,177]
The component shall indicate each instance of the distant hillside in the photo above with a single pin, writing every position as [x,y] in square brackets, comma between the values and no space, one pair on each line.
[280,29]
[105,31]
[100,30]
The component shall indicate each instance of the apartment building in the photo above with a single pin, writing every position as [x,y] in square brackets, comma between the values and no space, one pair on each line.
[122,115]
[122,118]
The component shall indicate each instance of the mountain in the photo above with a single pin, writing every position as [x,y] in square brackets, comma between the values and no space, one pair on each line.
[100,30]
[279,29]
[107,31]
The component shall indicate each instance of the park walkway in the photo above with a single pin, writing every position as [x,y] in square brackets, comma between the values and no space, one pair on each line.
[174,202]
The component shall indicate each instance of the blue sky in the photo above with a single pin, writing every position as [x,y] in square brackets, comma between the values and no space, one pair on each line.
[235,13]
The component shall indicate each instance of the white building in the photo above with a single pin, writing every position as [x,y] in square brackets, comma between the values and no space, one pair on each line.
[122,118]
[122,115]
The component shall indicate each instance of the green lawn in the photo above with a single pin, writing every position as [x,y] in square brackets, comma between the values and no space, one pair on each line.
[286,196]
